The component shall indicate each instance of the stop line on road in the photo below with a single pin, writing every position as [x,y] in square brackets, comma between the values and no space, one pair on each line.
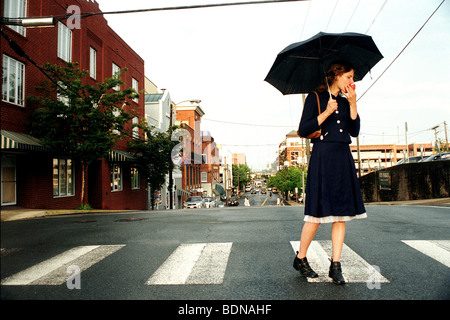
[206,263]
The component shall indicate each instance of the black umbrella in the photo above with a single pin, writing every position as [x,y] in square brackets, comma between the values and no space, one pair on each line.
[300,67]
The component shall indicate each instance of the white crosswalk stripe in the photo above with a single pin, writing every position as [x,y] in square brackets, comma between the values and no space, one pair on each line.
[54,270]
[200,263]
[354,267]
[439,250]
[206,263]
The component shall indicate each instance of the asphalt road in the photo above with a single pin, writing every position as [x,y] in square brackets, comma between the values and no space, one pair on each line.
[226,254]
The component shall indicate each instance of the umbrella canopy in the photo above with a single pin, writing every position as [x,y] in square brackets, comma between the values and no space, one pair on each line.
[301,66]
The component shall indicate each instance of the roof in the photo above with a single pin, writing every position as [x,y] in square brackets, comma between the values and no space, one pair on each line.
[153,97]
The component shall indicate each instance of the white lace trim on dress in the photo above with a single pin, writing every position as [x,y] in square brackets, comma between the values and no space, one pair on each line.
[331,219]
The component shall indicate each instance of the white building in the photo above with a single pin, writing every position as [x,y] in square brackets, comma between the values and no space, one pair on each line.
[158,109]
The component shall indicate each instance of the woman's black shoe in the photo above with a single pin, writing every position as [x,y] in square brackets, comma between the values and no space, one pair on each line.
[302,265]
[336,273]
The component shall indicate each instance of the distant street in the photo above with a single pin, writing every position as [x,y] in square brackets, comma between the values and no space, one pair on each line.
[245,253]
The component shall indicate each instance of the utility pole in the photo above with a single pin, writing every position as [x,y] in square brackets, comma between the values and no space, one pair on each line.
[435,138]
[406,140]
[171,165]
[445,132]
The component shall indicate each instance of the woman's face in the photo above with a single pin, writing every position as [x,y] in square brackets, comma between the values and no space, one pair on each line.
[344,80]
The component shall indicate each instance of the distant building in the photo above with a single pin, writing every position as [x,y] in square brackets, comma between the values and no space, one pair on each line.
[292,151]
[188,115]
[239,158]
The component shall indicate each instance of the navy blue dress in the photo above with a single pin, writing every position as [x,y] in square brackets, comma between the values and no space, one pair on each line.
[332,188]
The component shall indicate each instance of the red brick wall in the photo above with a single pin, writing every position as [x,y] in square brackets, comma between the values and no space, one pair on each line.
[40,44]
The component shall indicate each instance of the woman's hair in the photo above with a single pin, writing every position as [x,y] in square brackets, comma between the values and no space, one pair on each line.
[335,69]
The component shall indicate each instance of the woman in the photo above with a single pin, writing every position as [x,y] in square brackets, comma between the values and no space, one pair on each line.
[332,189]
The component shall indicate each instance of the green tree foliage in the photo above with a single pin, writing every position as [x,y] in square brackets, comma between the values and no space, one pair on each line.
[241,175]
[153,156]
[287,180]
[79,120]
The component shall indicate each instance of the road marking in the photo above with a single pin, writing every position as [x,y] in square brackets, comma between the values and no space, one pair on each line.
[264,202]
[438,250]
[54,270]
[354,268]
[200,263]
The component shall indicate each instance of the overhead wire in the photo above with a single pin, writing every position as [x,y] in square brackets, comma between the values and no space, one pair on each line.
[374,19]
[332,14]
[404,48]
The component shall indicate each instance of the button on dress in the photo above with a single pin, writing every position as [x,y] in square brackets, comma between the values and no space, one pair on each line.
[332,187]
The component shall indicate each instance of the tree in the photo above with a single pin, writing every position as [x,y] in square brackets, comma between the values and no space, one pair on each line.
[241,175]
[153,156]
[79,120]
[287,180]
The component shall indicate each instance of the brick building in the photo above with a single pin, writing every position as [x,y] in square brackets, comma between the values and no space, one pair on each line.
[189,115]
[210,167]
[33,177]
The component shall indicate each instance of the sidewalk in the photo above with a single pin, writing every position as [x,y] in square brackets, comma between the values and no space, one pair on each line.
[422,202]
[11,213]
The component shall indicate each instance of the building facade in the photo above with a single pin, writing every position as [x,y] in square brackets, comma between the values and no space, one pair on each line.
[33,177]
[188,115]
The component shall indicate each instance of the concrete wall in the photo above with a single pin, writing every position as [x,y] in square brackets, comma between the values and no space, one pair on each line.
[423,180]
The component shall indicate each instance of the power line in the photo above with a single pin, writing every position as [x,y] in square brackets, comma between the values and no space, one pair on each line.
[248,124]
[88,14]
[420,29]
[379,11]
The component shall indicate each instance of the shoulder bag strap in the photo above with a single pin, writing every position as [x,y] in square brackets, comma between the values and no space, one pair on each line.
[318,102]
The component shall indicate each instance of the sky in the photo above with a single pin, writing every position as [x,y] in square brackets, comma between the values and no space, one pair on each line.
[222,55]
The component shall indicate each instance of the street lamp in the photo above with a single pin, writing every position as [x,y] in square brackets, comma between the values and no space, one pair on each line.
[29,22]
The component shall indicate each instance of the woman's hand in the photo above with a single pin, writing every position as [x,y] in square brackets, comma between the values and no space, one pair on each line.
[331,107]
[351,97]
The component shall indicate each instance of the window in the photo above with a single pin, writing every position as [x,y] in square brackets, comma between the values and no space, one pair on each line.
[63,178]
[116,73]
[93,63]
[13,81]
[135,85]
[116,177]
[204,176]
[64,42]
[135,128]
[135,178]
[16,9]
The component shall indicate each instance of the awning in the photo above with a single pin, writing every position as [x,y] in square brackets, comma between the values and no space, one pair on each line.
[182,192]
[18,140]
[120,156]
[218,189]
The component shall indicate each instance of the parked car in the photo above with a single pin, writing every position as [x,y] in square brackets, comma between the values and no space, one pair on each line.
[220,204]
[209,202]
[411,160]
[193,202]
[233,201]
[263,191]
[434,157]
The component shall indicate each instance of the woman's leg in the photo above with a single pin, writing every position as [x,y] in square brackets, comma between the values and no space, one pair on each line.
[308,232]
[337,239]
